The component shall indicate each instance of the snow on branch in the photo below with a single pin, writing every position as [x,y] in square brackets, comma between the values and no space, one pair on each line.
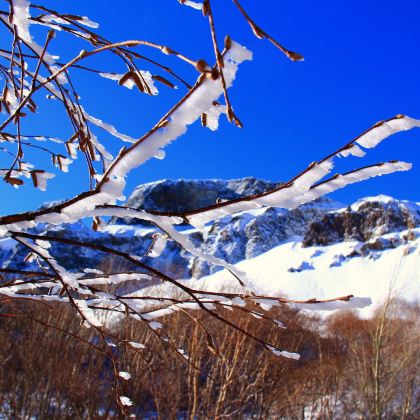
[198,100]
[28,69]
[305,186]
[193,4]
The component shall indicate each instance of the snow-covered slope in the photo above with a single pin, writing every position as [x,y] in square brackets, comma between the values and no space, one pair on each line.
[335,270]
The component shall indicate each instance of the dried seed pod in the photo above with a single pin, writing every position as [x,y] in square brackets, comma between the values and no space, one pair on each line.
[220,60]
[91,150]
[206,8]
[32,105]
[167,50]
[51,34]
[96,223]
[6,107]
[135,55]
[164,81]
[13,181]
[35,177]
[238,122]
[73,17]
[230,114]
[202,66]
[163,123]
[228,42]
[214,74]
[138,82]
[59,161]
[258,32]
[294,56]
[29,257]
[210,344]
[204,119]
[379,123]
[127,76]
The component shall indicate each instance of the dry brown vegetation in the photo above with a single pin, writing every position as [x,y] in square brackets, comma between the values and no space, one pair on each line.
[350,367]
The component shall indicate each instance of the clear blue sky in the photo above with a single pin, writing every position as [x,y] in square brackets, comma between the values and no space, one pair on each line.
[362,64]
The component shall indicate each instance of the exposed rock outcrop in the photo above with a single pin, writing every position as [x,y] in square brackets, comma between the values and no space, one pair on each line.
[364,220]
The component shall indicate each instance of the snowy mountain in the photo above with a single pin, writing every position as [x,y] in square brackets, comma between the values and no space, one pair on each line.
[300,251]
[233,238]
[183,195]
[363,269]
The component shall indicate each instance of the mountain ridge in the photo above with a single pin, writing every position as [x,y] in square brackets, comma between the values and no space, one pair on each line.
[235,238]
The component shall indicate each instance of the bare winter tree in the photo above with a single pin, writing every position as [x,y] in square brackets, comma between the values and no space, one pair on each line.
[30,72]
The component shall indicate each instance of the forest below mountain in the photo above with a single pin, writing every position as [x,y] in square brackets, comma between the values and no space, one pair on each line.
[349,367]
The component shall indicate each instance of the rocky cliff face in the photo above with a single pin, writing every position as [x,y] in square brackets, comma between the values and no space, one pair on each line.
[364,220]
[233,238]
[249,234]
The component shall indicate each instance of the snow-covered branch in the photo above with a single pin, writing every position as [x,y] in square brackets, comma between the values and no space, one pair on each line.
[40,275]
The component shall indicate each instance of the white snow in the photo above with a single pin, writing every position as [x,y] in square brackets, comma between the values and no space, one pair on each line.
[108,127]
[193,4]
[391,272]
[144,74]
[158,245]
[88,313]
[126,401]
[384,129]
[87,22]
[124,375]
[21,18]
[371,278]
[136,345]
[283,353]
[412,206]
[40,178]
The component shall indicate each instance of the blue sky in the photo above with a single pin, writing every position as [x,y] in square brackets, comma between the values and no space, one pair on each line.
[362,65]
